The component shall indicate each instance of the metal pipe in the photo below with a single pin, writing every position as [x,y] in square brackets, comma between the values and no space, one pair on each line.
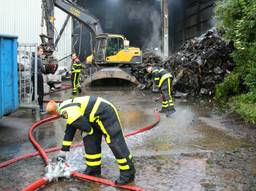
[61,31]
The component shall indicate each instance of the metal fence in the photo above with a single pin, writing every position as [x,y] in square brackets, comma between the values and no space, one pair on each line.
[26,84]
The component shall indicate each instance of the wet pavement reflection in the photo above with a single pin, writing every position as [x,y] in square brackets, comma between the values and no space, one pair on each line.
[198,148]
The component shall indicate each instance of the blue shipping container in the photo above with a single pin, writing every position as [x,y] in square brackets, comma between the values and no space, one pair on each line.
[9,98]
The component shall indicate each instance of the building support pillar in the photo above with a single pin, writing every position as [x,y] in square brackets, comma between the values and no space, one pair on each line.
[165,28]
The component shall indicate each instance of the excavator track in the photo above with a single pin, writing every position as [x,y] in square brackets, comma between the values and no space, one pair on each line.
[111,73]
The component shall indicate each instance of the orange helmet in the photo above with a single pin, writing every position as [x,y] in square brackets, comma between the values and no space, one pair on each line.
[52,107]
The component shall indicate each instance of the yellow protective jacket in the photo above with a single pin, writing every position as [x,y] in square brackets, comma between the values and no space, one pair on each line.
[82,113]
[76,67]
[159,75]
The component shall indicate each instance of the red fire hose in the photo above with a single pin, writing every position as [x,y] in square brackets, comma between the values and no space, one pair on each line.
[25,156]
[53,149]
[57,101]
[42,181]
[35,185]
[34,142]
[66,87]
[105,181]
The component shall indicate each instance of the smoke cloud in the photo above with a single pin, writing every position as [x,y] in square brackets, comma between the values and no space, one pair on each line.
[150,19]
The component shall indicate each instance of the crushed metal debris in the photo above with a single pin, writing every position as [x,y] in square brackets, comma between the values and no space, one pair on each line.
[197,67]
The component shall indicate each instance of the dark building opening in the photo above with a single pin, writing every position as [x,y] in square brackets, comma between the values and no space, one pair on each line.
[188,19]
[140,22]
[111,82]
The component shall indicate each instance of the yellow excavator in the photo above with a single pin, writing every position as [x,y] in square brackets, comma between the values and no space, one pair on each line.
[113,49]
[111,53]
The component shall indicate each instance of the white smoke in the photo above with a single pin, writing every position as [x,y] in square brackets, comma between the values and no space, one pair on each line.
[144,13]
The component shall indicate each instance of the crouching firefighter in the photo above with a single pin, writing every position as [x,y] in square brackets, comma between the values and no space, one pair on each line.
[95,117]
[75,74]
[163,79]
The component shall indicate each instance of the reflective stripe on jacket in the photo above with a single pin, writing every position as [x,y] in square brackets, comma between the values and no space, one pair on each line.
[159,75]
[81,113]
[76,67]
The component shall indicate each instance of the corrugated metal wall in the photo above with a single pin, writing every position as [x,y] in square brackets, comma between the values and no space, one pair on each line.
[188,19]
[23,18]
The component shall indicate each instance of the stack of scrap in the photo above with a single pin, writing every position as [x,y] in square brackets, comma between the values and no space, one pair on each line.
[199,64]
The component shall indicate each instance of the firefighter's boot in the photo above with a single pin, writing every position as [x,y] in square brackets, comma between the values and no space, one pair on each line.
[170,111]
[94,171]
[162,110]
[79,90]
[126,176]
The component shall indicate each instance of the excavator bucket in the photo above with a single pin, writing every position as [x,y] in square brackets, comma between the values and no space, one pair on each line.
[112,73]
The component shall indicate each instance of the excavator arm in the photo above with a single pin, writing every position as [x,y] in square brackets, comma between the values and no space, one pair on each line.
[82,15]
[73,10]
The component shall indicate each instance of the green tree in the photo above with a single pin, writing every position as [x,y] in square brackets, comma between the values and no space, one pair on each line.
[238,19]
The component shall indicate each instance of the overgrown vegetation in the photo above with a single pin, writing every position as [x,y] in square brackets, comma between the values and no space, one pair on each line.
[238,19]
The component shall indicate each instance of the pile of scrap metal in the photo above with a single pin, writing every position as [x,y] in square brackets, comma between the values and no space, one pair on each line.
[139,71]
[197,67]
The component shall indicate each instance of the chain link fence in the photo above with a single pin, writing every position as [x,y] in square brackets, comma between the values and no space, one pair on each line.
[26,85]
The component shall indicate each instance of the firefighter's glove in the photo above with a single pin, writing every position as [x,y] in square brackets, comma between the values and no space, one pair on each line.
[62,156]
[141,86]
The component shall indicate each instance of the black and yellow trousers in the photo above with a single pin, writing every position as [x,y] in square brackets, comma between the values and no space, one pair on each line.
[108,124]
[75,78]
[167,101]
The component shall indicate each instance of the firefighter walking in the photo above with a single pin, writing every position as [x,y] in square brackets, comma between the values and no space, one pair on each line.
[95,117]
[75,74]
[162,79]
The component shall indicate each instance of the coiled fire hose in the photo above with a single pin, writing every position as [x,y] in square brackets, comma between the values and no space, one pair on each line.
[43,181]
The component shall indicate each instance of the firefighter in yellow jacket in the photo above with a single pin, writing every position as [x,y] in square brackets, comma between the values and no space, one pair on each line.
[162,79]
[75,74]
[95,116]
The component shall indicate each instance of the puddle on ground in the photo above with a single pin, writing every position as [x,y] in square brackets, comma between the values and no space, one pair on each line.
[167,158]
[217,139]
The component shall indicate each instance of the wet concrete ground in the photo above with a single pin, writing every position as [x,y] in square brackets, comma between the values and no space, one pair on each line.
[199,148]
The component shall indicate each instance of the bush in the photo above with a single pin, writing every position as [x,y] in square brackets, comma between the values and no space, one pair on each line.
[229,87]
[245,105]
[238,19]
[245,60]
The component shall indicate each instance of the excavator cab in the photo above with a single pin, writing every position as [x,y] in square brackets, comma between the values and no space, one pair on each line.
[99,50]
[114,50]
[114,45]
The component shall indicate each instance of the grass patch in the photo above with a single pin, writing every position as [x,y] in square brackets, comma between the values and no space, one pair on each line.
[245,105]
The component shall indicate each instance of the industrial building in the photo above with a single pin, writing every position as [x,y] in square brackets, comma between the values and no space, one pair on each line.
[121,95]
